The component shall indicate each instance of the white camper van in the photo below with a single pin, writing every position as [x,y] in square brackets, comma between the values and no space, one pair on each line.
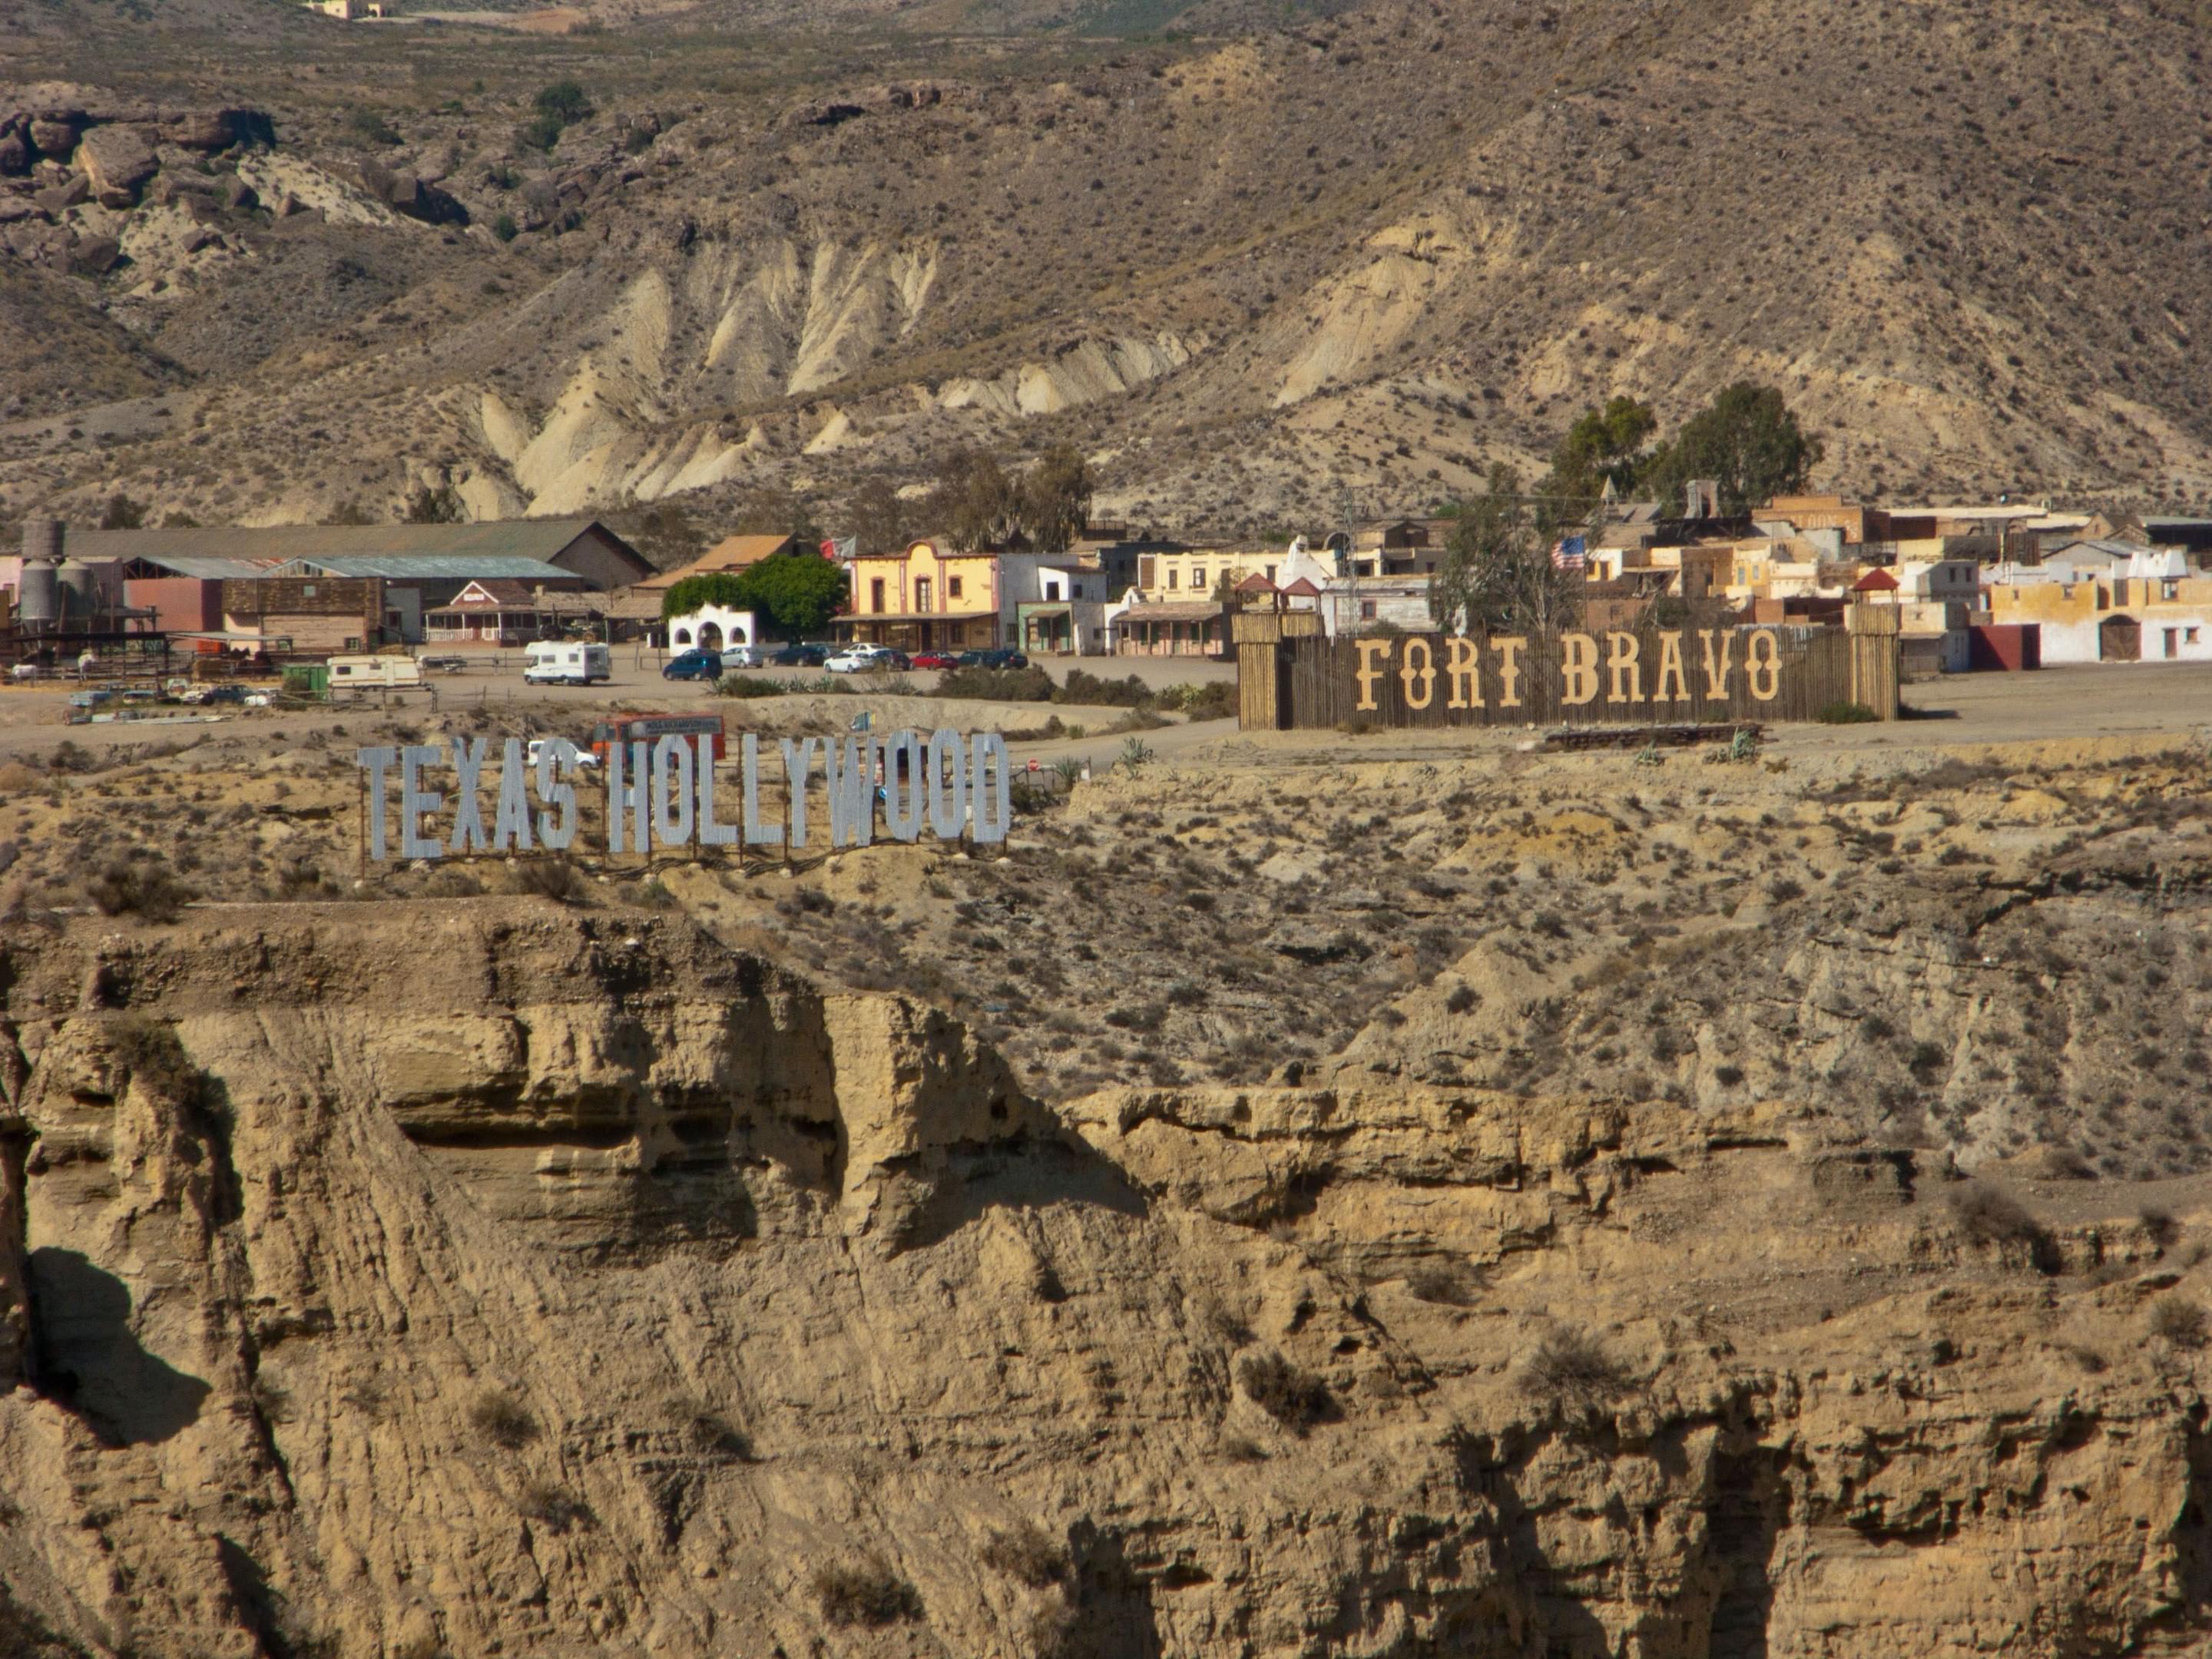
[363,673]
[566,662]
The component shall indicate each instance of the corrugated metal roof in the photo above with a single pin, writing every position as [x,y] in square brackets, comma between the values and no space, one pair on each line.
[428,567]
[525,538]
[205,569]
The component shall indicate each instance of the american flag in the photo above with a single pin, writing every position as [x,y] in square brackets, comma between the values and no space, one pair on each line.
[1572,553]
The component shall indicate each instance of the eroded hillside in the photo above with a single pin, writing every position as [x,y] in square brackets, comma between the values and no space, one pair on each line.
[1517,1205]
[1245,271]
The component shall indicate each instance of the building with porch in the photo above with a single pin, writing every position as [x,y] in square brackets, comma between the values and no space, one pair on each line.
[926,597]
[1188,628]
[1068,619]
[500,611]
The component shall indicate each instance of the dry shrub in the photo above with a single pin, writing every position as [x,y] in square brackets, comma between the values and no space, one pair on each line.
[502,1419]
[554,878]
[705,1430]
[126,887]
[1989,1215]
[2181,1322]
[554,1507]
[867,1593]
[1447,1287]
[1026,1552]
[2158,1225]
[154,1059]
[1240,1449]
[15,777]
[1297,1398]
[1571,1368]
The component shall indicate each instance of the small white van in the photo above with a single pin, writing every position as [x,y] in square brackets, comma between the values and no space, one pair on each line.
[566,662]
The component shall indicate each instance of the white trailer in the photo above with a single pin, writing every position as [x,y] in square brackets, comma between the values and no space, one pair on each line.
[565,662]
[374,673]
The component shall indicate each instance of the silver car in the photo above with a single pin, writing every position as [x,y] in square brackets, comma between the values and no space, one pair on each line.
[743,656]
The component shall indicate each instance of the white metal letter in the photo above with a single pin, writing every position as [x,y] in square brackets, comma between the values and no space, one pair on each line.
[510,826]
[756,833]
[948,785]
[671,792]
[415,800]
[711,833]
[377,762]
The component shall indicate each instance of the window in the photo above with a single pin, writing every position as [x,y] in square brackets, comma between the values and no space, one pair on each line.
[1271,572]
[876,595]
[2189,637]
[1367,611]
[2066,590]
[1198,580]
[1171,577]
[922,594]
[2169,590]
[682,636]
[952,587]
[1052,590]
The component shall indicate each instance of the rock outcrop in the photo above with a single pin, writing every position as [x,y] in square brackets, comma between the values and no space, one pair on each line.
[486,1276]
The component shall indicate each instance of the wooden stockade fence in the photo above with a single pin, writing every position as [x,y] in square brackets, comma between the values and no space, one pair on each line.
[1291,677]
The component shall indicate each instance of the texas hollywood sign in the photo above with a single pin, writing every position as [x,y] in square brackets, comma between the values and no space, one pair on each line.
[451,801]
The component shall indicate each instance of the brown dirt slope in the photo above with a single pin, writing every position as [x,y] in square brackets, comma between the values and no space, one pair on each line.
[1246,271]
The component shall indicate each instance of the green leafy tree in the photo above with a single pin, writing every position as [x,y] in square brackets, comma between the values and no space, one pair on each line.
[540,132]
[122,513]
[974,501]
[795,594]
[564,101]
[876,517]
[1497,575]
[439,506]
[1747,439]
[1056,498]
[724,588]
[1605,446]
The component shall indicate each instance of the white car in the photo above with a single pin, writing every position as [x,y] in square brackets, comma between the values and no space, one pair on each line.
[743,656]
[856,659]
[584,757]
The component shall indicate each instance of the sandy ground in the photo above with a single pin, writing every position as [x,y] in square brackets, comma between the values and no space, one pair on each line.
[33,719]
[2144,702]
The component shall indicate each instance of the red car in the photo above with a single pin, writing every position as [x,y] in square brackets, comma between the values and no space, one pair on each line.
[934,659]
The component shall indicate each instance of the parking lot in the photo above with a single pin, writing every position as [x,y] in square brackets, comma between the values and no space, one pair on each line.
[34,717]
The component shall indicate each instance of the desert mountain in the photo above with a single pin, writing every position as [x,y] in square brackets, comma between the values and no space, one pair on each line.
[1248,271]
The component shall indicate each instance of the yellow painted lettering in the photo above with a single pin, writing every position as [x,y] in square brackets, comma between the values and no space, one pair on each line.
[1717,670]
[1371,652]
[1763,665]
[1627,669]
[1462,673]
[1577,669]
[1670,669]
[1509,651]
[1424,676]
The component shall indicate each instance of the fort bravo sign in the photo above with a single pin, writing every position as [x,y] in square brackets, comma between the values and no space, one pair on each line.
[1291,676]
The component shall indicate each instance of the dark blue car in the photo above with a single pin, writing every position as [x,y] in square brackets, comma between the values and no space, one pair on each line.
[693,666]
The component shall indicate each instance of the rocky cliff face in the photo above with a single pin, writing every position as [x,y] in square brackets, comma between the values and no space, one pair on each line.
[384,1280]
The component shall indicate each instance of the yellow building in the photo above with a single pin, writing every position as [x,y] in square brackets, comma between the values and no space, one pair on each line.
[1195,572]
[924,598]
[2107,616]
